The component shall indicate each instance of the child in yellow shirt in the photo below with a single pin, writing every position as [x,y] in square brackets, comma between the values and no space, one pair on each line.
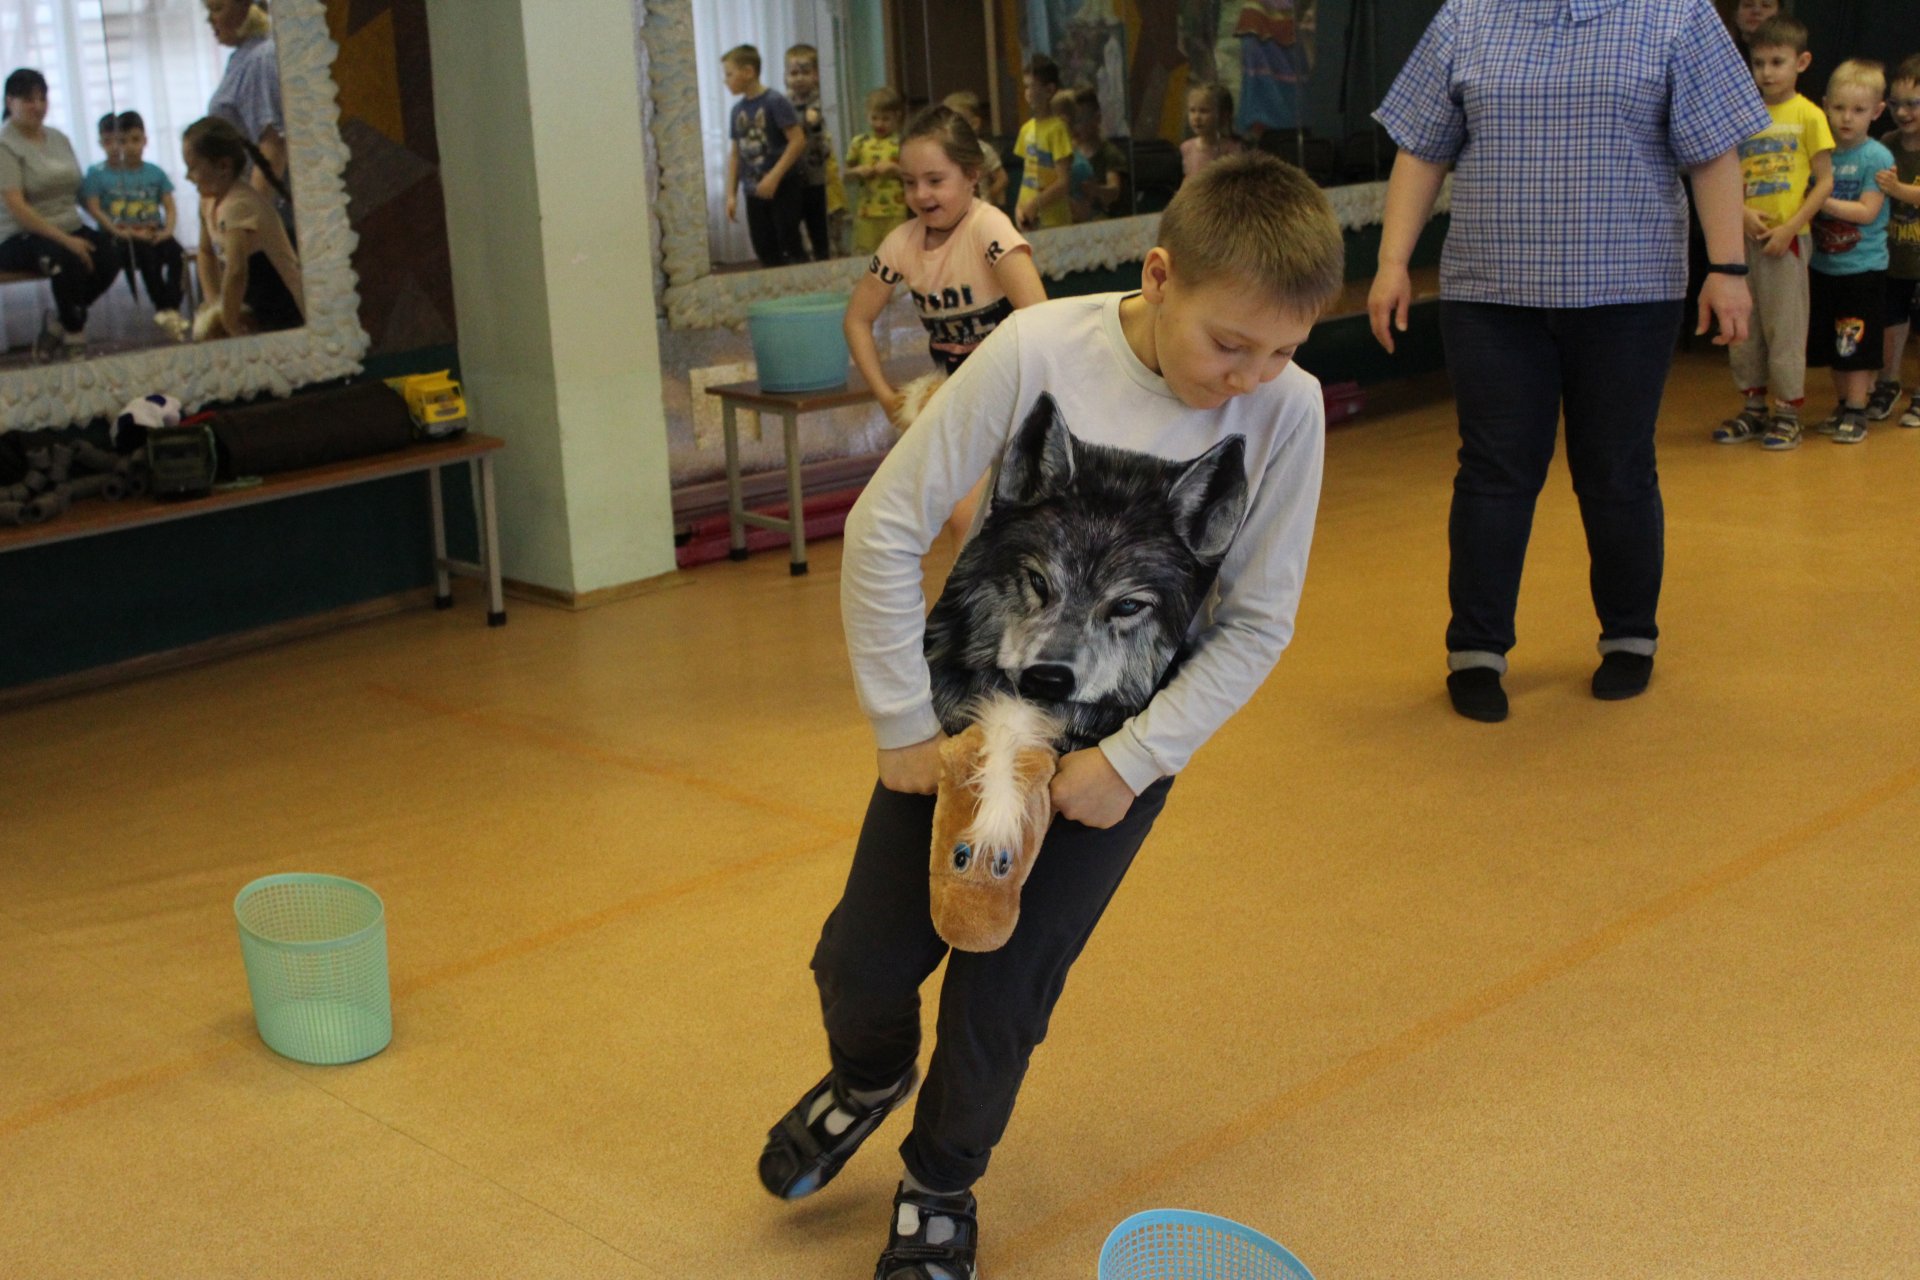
[874,159]
[1788,169]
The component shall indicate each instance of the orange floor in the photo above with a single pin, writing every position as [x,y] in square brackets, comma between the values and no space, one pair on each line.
[1606,990]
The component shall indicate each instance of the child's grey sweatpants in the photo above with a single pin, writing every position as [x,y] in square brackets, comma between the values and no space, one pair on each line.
[1774,355]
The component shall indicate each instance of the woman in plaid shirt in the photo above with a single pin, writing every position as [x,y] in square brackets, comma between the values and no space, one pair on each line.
[1567,124]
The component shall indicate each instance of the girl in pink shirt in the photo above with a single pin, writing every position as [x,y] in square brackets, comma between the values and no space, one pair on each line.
[1210,116]
[965,264]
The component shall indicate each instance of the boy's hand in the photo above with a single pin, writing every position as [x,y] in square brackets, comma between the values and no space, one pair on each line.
[1725,299]
[1387,301]
[733,202]
[914,770]
[1888,180]
[766,187]
[1757,224]
[1087,790]
[1779,241]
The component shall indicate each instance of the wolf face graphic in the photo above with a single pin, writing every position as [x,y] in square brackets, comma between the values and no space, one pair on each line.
[1080,586]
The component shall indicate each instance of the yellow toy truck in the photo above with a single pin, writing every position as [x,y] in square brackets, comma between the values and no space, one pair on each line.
[435,400]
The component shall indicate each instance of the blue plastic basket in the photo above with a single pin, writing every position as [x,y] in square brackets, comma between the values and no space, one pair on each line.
[798,342]
[315,948]
[1179,1244]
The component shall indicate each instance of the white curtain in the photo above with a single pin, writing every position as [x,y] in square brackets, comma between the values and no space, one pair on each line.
[156,57]
[771,26]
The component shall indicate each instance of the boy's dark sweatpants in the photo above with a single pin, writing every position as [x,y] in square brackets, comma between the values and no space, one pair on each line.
[774,225]
[161,263]
[814,214]
[879,945]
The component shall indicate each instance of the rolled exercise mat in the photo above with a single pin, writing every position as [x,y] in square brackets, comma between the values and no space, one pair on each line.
[311,430]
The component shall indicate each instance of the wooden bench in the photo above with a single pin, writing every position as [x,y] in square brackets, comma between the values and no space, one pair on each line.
[90,517]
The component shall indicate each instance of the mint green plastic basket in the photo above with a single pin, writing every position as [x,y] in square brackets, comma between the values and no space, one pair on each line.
[315,948]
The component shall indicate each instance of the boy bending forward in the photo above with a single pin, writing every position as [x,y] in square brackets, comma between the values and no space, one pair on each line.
[1155,461]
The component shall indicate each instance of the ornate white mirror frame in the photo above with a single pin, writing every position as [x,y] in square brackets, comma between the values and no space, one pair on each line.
[696,298]
[331,342]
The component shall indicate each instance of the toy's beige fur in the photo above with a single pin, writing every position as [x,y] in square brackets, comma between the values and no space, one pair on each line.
[989,818]
[914,397]
[208,322]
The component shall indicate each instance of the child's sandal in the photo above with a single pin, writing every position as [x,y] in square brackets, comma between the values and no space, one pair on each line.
[910,1257]
[1745,425]
[801,1158]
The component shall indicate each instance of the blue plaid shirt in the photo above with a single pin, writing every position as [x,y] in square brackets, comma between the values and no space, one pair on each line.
[1568,123]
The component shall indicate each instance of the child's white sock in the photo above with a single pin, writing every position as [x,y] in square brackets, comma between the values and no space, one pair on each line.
[940,1230]
[841,1119]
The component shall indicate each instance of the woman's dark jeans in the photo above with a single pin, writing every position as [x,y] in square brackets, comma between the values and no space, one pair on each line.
[1514,369]
[75,286]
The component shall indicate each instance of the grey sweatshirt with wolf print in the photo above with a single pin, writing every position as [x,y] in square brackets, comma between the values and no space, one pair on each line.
[1135,568]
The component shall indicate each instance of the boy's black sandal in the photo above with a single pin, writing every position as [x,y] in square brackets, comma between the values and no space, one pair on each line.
[801,1158]
[910,1257]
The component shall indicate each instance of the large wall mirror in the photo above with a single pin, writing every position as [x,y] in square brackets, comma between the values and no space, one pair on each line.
[124,79]
[1298,78]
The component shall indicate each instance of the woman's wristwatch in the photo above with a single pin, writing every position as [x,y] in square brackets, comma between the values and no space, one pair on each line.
[1727,268]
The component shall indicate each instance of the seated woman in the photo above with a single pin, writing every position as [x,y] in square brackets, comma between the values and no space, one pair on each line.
[40,227]
[249,272]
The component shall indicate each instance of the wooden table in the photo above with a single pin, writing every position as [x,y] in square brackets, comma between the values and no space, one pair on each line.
[90,517]
[789,406]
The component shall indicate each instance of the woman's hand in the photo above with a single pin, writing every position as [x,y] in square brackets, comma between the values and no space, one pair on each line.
[80,247]
[1387,303]
[1725,300]
[914,770]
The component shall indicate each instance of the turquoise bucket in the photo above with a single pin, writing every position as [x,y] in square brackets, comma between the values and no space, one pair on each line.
[798,342]
[315,948]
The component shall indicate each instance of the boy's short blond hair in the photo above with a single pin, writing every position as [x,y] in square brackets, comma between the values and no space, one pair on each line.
[966,102]
[804,52]
[1859,73]
[1780,32]
[742,55]
[1255,219]
[1061,103]
[887,102]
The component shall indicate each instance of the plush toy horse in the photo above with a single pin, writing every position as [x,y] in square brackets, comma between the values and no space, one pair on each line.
[914,397]
[989,817]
